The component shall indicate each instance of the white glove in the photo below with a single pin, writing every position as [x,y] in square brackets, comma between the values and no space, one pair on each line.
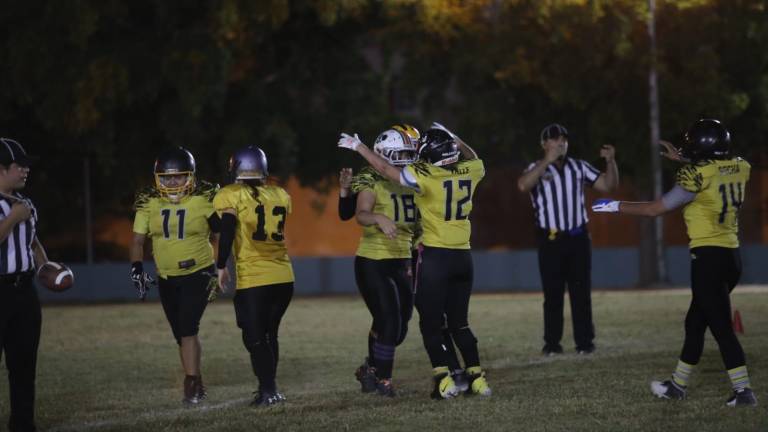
[349,142]
[437,125]
[604,205]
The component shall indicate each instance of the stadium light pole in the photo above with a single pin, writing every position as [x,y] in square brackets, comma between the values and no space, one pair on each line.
[656,271]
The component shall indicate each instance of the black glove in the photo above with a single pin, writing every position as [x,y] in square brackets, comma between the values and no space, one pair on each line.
[141,280]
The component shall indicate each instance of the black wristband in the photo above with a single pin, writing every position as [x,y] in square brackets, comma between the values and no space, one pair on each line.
[347,206]
[226,239]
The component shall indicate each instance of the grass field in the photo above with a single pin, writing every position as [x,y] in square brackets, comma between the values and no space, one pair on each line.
[115,368]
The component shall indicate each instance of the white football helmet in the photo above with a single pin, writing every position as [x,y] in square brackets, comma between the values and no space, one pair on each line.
[396,147]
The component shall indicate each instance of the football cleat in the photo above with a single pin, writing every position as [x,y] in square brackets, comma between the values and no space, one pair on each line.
[264,398]
[366,375]
[550,350]
[668,390]
[384,388]
[745,397]
[477,383]
[200,390]
[461,380]
[190,391]
[445,387]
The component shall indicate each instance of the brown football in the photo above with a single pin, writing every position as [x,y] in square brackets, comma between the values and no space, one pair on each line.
[55,276]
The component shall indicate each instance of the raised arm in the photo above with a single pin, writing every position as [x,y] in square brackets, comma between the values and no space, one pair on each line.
[377,162]
[609,180]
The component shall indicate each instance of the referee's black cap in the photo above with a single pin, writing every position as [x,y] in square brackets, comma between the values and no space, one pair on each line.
[553,131]
[11,151]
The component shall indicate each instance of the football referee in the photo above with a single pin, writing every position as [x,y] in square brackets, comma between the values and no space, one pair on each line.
[20,315]
[556,184]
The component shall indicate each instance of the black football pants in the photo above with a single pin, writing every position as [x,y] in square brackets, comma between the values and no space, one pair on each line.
[184,299]
[258,311]
[567,261]
[443,288]
[715,271]
[20,320]
[388,293]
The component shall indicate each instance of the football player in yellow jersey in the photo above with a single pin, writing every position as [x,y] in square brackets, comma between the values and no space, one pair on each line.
[387,212]
[444,185]
[253,221]
[711,185]
[178,216]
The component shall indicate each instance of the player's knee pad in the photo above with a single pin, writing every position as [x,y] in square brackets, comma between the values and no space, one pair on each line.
[254,342]
[403,334]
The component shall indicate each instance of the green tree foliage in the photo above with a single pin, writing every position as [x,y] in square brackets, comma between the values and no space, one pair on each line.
[114,81]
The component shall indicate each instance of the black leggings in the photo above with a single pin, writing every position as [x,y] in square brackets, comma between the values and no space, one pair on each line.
[184,299]
[258,311]
[442,294]
[387,291]
[715,271]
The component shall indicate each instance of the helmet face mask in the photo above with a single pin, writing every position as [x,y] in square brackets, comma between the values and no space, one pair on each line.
[438,148]
[396,147]
[706,139]
[175,174]
[249,163]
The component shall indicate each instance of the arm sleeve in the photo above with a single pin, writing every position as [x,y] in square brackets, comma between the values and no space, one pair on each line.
[227,238]
[591,174]
[224,200]
[214,222]
[677,197]
[347,206]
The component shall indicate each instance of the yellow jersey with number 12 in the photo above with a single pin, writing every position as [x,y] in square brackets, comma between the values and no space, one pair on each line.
[720,187]
[393,201]
[444,199]
[261,257]
[179,232]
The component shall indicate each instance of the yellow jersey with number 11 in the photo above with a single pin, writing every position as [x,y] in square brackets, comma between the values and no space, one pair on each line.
[720,187]
[261,257]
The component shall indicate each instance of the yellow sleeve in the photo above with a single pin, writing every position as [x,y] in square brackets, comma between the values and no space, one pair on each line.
[690,178]
[223,200]
[141,221]
[141,206]
[364,180]
[478,169]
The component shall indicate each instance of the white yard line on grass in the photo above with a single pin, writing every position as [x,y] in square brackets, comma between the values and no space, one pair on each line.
[147,415]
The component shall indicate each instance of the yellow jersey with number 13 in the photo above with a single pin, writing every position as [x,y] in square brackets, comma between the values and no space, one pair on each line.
[261,257]
[720,187]
[444,198]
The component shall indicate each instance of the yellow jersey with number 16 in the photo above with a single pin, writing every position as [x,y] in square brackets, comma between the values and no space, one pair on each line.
[444,199]
[261,257]
[720,187]
[393,201]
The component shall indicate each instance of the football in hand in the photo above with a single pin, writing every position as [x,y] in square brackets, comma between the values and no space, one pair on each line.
[55,276]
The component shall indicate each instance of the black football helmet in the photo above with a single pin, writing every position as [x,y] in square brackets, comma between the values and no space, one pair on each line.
[437,147]
[170,165]
[706,139]
[249,163]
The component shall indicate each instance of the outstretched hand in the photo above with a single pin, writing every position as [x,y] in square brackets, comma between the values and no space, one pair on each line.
[672,153]
[605,205]
[349,142]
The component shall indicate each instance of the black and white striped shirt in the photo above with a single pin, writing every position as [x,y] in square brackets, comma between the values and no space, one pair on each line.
[558,197]
[16,255]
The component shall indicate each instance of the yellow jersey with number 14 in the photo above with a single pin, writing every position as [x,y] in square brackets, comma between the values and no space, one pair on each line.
[444,199]
[179,232]
[720,187]
[393,201]
[261,257]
